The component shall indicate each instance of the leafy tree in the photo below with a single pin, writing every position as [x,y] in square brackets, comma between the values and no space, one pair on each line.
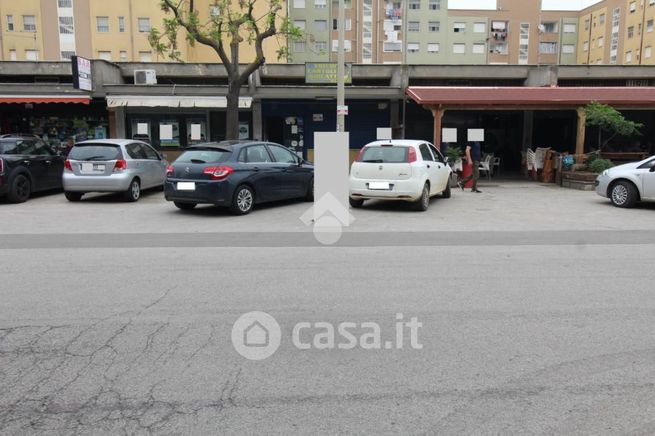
[608,119]
[231,23]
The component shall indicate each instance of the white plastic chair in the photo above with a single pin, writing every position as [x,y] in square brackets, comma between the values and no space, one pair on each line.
[495,167]
[531,162]
[487,165]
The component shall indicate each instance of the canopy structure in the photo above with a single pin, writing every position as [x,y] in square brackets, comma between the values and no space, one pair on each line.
[40,99]
[173,101]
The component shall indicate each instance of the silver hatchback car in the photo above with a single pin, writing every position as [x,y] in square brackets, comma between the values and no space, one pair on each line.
[112,165]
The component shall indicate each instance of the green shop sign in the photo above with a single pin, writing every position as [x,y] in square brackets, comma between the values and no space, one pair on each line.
[326,73]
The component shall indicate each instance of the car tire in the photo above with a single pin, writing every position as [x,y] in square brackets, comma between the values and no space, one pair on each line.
[309,196]
[623,194]
[21,189]
[355,203]
[73,196]
[184,206]
[243,200]
[133,193]
[423,203]
[446,192]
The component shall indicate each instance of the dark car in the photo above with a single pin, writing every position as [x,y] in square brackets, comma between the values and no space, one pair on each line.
[28,165]
[238,175]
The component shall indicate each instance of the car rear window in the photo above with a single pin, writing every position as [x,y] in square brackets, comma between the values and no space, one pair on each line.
[95,152]
[205,155]
[384,154]
[8,147]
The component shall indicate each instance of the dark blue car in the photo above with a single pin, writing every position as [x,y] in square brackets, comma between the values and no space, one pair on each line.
[238,174]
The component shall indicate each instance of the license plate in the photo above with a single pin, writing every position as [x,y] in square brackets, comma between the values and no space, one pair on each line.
[99,168]
[378,185]
[186,186]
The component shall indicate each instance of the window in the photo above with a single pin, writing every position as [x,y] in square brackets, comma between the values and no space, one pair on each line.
[367,51]
[320,46]
[256,154]
[12,55]
[149,152]
[66,26]
[479,27]
[601,19]
[299,4]
[479,48]
[601,41]
[586,24]
[31,55]
[66,55]
[459,27]
[651,2]
[548,47]
[550,27]
[335,24]
[434,26]
[29,23]
[320,25]
[414,4]
[282,155]
[568,48]
[301,24]
[123,56]
[392,47]
[121,24]
[413,47]
[102,24]
[633,7]
[299,46]
[425,153]
[499,48]
[104,55]
[434,5]
[570,28]
[144,24]
[648,52]
[320,4]
[10,23]
[631,32]
[628,57]
[346,45]
[65,3]
[459,48]
[649,26]
[434,47]
[145,56]
[413,26]
[585,46]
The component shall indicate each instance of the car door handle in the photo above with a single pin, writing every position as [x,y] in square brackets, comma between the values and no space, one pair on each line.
[428,166]
[27,162]
[255,169]
[48,162]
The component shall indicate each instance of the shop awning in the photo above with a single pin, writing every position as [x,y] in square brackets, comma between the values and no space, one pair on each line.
[174,101]
[40,99]
[514,96]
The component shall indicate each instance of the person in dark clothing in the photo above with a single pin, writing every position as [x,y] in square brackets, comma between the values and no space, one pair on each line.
[473,156]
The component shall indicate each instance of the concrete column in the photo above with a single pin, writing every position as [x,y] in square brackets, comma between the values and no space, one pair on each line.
[528,129]
[117,122]
[437,113]
[257,128]
[580,137]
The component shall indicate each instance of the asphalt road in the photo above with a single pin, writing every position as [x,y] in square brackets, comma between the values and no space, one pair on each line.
[536,303]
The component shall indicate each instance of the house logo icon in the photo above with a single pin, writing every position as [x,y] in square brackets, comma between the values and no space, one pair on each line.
[256,335]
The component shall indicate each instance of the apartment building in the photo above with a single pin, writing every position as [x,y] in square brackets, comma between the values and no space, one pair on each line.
[115,30]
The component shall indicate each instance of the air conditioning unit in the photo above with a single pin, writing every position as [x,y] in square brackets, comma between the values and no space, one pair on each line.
[145,77]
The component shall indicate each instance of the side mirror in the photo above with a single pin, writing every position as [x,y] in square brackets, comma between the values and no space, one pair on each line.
[446,160]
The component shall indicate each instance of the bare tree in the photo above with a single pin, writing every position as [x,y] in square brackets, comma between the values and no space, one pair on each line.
[231,22]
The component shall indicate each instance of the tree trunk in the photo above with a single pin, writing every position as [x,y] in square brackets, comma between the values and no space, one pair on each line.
[232,114]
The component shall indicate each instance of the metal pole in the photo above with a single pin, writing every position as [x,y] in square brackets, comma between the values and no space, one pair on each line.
[341,121]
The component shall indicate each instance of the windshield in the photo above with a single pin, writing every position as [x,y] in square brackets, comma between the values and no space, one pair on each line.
[200,156]
[95,152]
[384,154]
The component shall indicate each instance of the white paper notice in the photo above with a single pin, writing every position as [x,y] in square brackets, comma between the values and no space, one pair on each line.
[195,132]
[142,128]
[294,130]
[448,135]
[476,135]
[383,133]
[165,132]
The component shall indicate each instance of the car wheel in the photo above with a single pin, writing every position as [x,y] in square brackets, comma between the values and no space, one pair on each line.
[624,194]
[73,196]
[309,196]
[424,202]
[21,188]
[242,201]
[355,203]
[184,206]
[446,192]
[133,193]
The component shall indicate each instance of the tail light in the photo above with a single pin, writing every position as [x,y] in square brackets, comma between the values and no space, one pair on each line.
[169,170]
[121,164]
[411,155]
[67,166]
[2,166]
[219,172]
[359,156]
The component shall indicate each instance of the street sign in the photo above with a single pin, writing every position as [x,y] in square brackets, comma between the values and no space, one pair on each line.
[326,73]
[342,110]
[81,73]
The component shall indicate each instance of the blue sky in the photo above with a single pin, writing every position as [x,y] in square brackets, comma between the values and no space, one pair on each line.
[575,5]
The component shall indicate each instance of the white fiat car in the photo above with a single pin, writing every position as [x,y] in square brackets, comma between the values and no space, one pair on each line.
[627,184]
[400,170]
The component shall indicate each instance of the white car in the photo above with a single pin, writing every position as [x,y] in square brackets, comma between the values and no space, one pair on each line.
[401,170]
[627,184]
